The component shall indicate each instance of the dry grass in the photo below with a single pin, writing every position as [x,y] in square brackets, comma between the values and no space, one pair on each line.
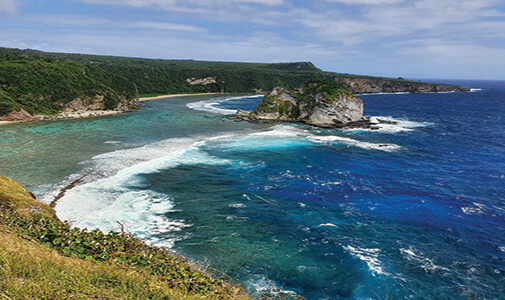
[17,198]
[31,271]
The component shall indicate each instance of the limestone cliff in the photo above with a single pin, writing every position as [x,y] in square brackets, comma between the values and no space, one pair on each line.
[363,85]
[322,103]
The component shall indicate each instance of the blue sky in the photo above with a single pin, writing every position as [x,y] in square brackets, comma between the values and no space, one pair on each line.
[459,39]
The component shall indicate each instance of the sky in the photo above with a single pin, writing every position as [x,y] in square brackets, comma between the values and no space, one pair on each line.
[415,39]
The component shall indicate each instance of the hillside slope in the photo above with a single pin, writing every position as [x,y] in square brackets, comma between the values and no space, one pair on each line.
[49,85]
[43,258]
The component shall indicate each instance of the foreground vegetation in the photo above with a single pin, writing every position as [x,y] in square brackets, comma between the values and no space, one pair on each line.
[43,258]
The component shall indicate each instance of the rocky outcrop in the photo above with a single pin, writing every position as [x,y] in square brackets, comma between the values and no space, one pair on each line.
[322,103]
[18,116]
[360,85]
[78,108]
[99,102]
[202,81]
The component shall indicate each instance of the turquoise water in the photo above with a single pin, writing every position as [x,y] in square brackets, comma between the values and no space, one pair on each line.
[293,209]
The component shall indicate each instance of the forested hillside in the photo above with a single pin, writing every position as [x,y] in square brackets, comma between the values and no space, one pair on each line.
[161,76]
[46,85]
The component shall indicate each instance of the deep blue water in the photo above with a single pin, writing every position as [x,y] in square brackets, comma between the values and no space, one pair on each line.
[416,209]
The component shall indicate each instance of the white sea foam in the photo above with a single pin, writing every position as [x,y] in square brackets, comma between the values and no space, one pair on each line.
[283,131]
[332,140]
[279,137]
[263,287]
[286,136]
[327,225]
[374,94]
[477,209]
[113,190]
[212,105]
[390,125]
[369,256]
[425,263]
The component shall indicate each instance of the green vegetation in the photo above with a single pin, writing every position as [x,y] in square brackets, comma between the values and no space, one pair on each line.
[44,85]
[286,109]
[159,77]
[43,82]
[43,258]
[328,88]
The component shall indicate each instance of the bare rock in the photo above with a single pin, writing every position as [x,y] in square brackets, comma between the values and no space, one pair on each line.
[18,116]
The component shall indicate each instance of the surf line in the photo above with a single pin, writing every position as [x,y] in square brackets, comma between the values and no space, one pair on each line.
[65,189]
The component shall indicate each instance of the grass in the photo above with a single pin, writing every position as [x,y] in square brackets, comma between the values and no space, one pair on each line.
[29,270]
[17,198]
[43,258]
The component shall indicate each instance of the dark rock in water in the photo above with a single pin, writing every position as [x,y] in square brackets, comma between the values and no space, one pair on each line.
[384,121]
[322,103]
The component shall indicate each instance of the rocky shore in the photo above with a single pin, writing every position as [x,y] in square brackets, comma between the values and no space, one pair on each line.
[322,103]
[331,103]
[24,116]
[357,85]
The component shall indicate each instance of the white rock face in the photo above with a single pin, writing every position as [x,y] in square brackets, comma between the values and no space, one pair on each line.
[318,108]
[346,109]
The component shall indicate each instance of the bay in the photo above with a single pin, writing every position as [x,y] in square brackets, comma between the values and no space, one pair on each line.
[415,209]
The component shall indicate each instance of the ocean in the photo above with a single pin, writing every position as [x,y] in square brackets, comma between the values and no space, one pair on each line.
[413,210]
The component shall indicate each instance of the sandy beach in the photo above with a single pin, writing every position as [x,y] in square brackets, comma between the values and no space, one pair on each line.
[175,95]
[69,115]
[81,114]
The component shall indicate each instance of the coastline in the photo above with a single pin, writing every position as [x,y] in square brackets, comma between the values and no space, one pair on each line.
[68,115]
[176,95]
[98,113]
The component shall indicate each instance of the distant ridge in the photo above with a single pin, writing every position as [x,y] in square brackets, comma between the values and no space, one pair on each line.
[47,83]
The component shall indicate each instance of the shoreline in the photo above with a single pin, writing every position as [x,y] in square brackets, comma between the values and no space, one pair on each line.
[143,99]
[98,113]
[68,115]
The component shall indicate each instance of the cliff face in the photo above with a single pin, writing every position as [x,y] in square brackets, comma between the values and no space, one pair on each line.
[377,85]
[322,103]
[99,102]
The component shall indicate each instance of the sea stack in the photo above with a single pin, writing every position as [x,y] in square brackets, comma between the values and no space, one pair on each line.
[322,103]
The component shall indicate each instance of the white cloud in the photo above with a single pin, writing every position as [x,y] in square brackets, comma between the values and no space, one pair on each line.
[178,5]
[423,18]
[8,6]
[227,2]
[367,2]
[167,26]
[453,52]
